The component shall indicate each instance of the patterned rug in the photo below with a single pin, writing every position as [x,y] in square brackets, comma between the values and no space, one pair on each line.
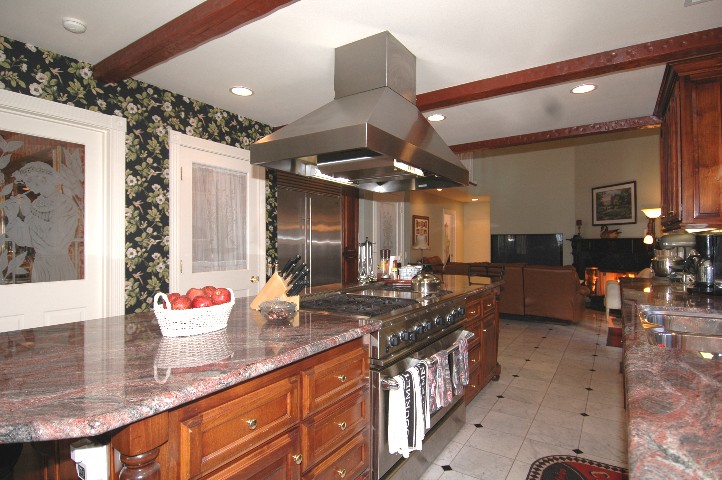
[567,467]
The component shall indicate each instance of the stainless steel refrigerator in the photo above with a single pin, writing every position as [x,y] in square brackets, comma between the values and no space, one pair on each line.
[310,225]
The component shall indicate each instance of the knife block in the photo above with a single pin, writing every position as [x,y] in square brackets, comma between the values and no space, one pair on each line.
[274,289]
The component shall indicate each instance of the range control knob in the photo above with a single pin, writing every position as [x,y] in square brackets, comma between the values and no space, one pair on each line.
[462,310]
[438,320]
[450,319]
[393,339]
[427,325]
[409,335]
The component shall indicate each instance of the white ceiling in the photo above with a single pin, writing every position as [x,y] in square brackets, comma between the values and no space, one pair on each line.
[287,57]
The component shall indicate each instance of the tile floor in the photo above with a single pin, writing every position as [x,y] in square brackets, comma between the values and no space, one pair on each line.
[560,393]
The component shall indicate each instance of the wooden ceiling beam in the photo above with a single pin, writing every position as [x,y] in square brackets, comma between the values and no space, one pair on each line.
[612,61]
[560,134]
[208,20]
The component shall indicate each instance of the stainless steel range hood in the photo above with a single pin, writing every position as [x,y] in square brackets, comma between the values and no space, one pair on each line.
[372,135]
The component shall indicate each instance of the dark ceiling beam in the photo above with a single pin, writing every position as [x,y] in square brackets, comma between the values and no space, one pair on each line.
[560,134]
[211,19]
[612,61]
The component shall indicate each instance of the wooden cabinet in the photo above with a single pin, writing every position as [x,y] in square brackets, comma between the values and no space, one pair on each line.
[307,420]
[690,106]
[482,318]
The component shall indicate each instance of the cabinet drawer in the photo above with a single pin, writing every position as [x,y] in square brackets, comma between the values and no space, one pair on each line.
[334,377]
[473,309]
[349,461]
[329,428]
[488,304]
[218,435]
[277,460]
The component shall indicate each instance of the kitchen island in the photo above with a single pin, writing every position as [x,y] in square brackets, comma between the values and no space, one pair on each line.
[673,397]
[114,375]
[119,378]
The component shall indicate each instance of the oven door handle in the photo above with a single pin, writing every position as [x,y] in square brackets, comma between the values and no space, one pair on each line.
[388,383]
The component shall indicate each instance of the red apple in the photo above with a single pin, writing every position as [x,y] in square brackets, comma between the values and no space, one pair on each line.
[202,301]
[221,295]
[208,290]
[193,293]
[171,297]
[181,303]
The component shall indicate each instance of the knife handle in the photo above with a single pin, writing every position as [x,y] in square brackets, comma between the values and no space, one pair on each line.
[287,266]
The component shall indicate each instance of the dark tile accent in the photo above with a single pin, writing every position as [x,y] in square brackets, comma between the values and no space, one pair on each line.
[446,468]
[577,451]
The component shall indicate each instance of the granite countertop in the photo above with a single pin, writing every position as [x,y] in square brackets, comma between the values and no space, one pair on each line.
[86,378]
[674,398]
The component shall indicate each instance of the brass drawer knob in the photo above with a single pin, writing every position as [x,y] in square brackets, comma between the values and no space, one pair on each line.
[342,425]
[342,378]
[341,472]
[298,458]
[473,360]
[251,423]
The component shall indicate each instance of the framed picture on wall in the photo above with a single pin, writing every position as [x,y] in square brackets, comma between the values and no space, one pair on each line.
[420,238]
[614,204]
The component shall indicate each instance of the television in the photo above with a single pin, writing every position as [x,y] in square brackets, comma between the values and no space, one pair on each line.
[531,248]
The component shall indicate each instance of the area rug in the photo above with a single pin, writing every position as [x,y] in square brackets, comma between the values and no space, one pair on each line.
[567,467]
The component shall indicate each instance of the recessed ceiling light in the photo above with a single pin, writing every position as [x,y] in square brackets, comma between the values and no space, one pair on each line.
[474,199]
[436,117]
[74,25]
[439,189]
[584,88]
[241,91]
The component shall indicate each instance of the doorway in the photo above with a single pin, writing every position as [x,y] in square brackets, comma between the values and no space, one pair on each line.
[100,293]
[448,237]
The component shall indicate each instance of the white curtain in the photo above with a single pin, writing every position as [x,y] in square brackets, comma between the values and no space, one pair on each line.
[219,219]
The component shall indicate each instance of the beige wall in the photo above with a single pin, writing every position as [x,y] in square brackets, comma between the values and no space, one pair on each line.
[544,188]
[429,205]
[477,232]
[622,158]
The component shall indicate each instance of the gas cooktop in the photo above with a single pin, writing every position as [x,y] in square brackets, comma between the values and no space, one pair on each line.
[351,304]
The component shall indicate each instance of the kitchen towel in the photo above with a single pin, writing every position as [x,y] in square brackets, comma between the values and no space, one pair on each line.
[433,392]
[397,420]
[443,378]
[419,419]
[455,362]
[464,351]
[423,367]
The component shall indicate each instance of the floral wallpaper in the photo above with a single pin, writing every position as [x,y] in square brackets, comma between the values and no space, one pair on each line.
[149,110]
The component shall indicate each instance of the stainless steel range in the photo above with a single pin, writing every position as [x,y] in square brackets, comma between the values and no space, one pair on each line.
[413,327]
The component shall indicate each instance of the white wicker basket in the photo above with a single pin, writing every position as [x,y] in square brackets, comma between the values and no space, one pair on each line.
[194,321]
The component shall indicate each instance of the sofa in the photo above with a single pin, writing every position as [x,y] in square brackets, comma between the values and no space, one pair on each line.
[535,290]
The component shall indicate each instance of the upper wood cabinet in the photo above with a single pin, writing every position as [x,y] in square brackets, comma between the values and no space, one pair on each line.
[690,106]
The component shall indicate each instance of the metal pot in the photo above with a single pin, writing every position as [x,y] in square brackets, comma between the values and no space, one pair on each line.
[665,265]
[426,283]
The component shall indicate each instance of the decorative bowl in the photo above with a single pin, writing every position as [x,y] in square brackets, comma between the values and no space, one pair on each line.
[277,310]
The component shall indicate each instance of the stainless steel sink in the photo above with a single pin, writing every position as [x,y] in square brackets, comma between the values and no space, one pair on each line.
[691,331]
[684,322]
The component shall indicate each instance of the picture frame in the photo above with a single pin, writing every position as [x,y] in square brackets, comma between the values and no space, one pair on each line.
[420,229]
[614,204]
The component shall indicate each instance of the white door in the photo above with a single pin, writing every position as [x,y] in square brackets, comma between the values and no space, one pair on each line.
[217,217]
[98,292]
